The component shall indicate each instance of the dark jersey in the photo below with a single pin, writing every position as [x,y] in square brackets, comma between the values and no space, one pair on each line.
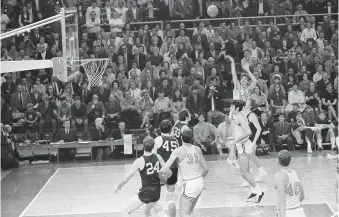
[177,132]
[149,175]
[165,146]
[251,125]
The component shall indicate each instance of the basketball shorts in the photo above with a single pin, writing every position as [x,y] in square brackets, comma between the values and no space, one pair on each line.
[245,147]
[299,212]
[174,178]
[192,189]
[149,194]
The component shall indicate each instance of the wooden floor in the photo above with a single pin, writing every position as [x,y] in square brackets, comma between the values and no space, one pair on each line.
[89,191]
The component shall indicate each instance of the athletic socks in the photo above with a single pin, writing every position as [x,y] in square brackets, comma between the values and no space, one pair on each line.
[258,190]
[332,142]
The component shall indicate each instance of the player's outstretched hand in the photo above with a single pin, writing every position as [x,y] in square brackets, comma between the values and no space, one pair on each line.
[165,173]
[118,188]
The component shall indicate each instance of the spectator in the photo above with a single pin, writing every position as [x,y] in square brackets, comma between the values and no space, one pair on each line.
[267,129]
[20,99]
[178,104]
[135,91]
[43,53]
[145,105]
[79,115]
[326,132]
[122,11]
[94,9]
[64,110]
[113,111]
[129,110]
[182,9]
[278,101]
[295,96]
[95,109]
[203,136]
[25,18]
[134,14]
[36,96]
[282,134]
[6,114]
[116,23]
[161,108]
[84,94]
[305,83]
[9,153]
[99,132]
[258,100]
[31,119]
[329,102]
[118,134]
[67,135]
[212,101]
[48,110]
[118,94]
[301,133]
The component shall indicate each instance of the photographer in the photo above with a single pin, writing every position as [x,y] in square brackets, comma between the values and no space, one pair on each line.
[213,100]
[145,105]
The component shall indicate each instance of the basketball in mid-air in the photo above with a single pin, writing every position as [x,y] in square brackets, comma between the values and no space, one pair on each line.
[212,11]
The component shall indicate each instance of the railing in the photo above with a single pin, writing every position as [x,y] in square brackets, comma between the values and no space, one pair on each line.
[239,19]
[132,24]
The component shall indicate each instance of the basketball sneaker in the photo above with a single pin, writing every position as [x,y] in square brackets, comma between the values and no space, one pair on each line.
[259,198]
[251,198]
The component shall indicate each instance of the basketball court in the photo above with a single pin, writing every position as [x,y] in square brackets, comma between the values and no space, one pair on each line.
[84,189]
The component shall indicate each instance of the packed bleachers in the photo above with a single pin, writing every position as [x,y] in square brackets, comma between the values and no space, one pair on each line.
[164,57]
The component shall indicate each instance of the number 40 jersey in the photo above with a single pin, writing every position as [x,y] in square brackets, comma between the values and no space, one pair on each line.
[165,145]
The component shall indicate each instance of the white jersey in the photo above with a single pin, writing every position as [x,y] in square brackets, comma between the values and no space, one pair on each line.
[292,190]
[189,167]
[241,93]
[238,129]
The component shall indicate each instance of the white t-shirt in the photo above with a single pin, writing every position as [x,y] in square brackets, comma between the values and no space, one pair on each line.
[117,21]
[122,11]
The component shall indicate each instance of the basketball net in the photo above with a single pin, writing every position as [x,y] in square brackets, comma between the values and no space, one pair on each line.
[94,69]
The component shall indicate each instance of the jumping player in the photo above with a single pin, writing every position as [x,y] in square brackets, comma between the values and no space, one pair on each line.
[193,168]
[255,127]
[242,132]
[289,188]
[149,166]
[165,144]
[184,118]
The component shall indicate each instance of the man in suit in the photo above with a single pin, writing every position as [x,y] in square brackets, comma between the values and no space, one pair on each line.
[35,36]
[166,88]
[285,65]
[103,93]
[99,132]
[126,53]
[199,9]
[259,8]
[113,111]
[95,109]
[195,104]
[266,136]
[182,9]
[116,135]
[204,40]
[79,114]
[57,86]
[134,14]
[25,86]
[36,96]
[85,94]
[184,88]
[8,87]
[213,100]
[282,134]
[43,53]
[9,153]
[56,40]
[67,135]
[194,55]
[139,58]
[148,77]
[20,99]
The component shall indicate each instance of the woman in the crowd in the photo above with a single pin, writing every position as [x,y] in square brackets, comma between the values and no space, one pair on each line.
[41,87]
[258,100]
[67,92]
[329,102]
[312,98]
[117,93]
[199,69]
[150,90]
[278,101]
[42,42]
[25,18]
[145,106]
[178,104]
[181,50]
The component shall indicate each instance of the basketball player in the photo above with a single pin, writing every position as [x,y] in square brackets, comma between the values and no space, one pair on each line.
[243,88]
[255,127]
[193,168]
[184,118]
[149,167]
[289,188]
[165,144]
[242,132]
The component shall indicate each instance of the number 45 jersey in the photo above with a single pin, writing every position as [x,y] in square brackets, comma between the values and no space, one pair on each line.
[165,145]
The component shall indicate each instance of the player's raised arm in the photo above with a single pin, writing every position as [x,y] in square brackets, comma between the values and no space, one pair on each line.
[202,162]
[137,165]
[234,73]
[279,184]
[254,80]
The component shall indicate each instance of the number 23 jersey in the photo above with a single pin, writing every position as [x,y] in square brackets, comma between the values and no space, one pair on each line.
[165,145]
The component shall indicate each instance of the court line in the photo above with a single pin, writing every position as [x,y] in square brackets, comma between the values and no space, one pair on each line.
[329,206]
[5,173]
[38,194]
[140,210]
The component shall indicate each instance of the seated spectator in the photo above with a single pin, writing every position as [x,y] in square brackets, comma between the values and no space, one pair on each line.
[25,18]
[135,92]
[129,110]
[165,88]
[85,94]
[295,96]
[67,135]
[99,132]
[64,110]
[213,101]
[312,98]
[49,116]
[178,104]
[79,115]
[20,99]
[330,102]
[118,134]
[304,84]
[118,94]
[203,136]
[195,104]
[261,83]
[259,101]
[146,108]
[213,74]
[267,129]
[325,133]
[113,111]
[9,152]
[301,133]
[31,119]
[102,92]
[96,109]
[282,134]
[161,108]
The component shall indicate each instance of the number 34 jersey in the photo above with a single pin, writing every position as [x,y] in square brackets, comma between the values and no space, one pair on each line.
[165,145]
